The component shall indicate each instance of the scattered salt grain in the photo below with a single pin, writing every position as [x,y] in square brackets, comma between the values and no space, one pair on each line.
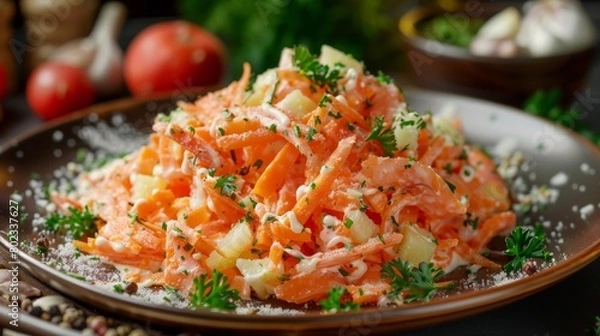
[16,197]
[502,278]
[582,188]
[71,143]
[586,211]
[559,179]
[124,138]
[559,226]
[586,169]
[267,309]
[117,120]
[57,136]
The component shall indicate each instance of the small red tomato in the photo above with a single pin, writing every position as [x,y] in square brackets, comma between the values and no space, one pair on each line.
[3,82]
[56,89]
[171,56]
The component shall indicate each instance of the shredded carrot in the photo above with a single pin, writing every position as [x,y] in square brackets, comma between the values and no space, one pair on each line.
[299,185]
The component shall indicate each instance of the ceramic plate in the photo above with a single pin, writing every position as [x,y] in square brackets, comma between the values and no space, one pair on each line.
[572,222]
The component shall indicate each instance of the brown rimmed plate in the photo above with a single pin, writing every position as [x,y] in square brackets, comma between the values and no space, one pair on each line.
[549,150]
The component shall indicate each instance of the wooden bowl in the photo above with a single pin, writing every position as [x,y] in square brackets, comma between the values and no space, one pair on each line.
[434,65]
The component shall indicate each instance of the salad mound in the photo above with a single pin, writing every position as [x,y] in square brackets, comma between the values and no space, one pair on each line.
[313,181]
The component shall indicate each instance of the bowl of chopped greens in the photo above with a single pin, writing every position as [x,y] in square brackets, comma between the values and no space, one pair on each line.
[491,51]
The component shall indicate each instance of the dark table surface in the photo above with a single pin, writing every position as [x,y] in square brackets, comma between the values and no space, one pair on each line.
[566,308]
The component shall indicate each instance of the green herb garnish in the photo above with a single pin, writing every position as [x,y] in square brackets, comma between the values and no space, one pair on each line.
[445,29]
[413,283]
[335,303]
[78,223]
[227,185]
[451,186]
[524,244]
[384,78]
[310,67]
[384,136]
[213,293]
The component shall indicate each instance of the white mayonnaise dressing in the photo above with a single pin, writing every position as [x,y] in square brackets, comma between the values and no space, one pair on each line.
[275,117]
[360,268]
[295,224]
[101,241]
[329,237]
[117,247]
[307,265]
[301,191]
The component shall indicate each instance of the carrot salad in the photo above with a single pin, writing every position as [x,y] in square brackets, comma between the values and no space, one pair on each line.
[305,178]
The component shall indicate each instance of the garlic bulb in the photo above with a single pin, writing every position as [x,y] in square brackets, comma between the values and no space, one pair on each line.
[555,26]
[503,25]
[99,54]
[548,27]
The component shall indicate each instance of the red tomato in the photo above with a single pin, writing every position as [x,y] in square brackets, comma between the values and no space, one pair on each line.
[173,56]
[3,82]
[55,89]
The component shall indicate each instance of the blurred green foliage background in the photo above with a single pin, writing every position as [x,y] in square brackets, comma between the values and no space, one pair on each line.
[257,30]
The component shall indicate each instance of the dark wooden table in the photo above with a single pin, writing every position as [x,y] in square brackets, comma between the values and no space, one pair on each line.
[567,308]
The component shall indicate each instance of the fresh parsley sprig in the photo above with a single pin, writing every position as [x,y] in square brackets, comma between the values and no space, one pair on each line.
[524,244]
[385,136]
[310,67]
[414,283]
[597,328]
[384,78]
[227,185]
[77,223]
[548,104]
[335,303]
[213,293]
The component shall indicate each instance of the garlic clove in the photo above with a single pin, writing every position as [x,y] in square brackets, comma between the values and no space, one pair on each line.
[106,71]
[507,48]
[491,47]
[542,42]
[503,25]
[568,22]
[483,47]
[524,35]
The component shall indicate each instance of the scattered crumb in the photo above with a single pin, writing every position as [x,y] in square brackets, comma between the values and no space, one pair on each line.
[505,147]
